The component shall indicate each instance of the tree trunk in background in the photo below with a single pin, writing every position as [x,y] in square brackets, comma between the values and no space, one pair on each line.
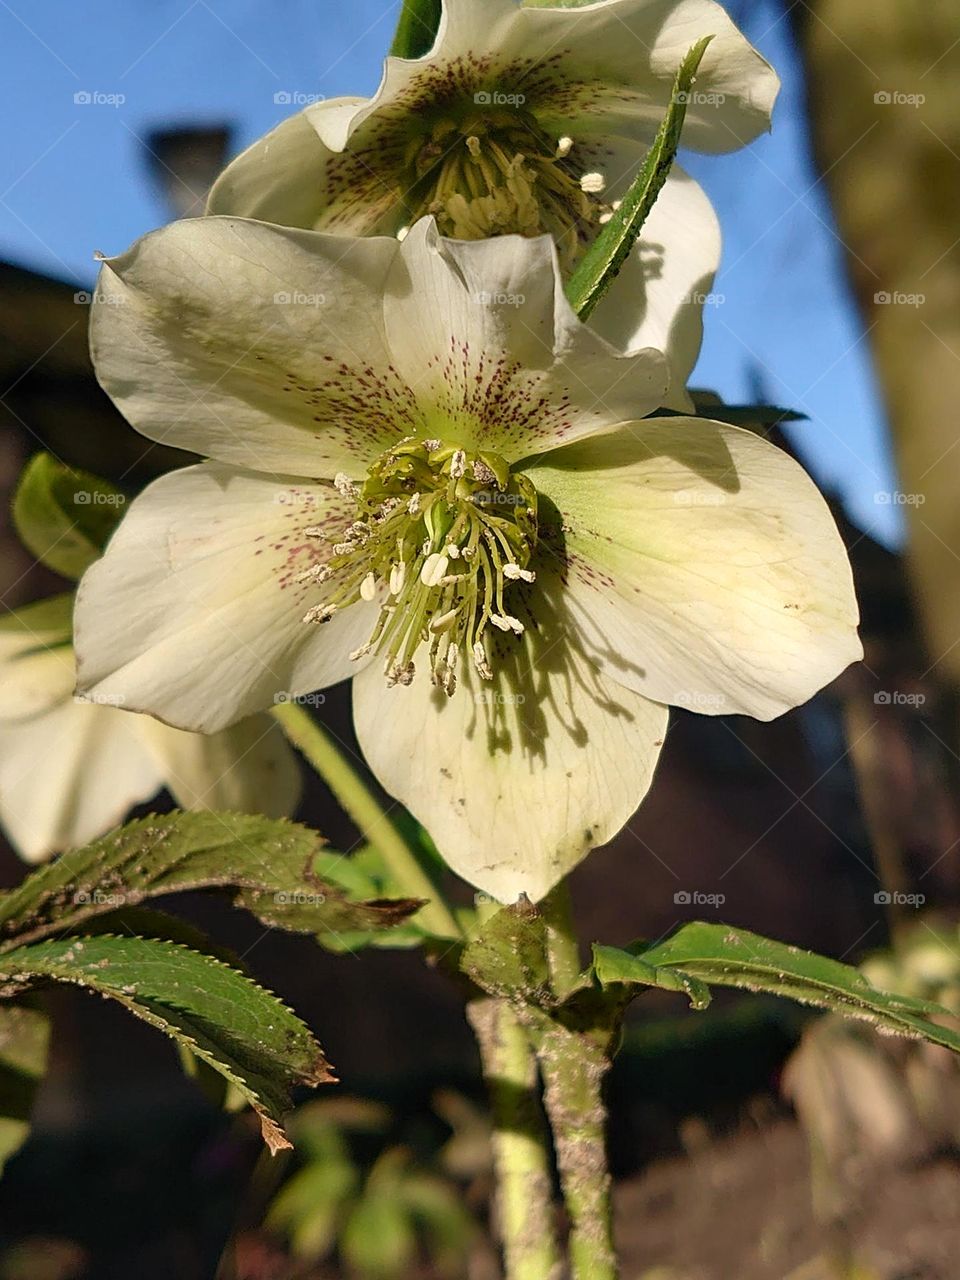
[884,87]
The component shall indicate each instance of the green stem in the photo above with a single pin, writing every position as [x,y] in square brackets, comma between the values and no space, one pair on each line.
[563,951]
[520,1143]
[416,28]
[573,1066]
[316,745]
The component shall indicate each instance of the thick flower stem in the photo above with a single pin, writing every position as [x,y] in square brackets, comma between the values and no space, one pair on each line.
[312,740]
[574,1060]
[573,1066]
[521,1143]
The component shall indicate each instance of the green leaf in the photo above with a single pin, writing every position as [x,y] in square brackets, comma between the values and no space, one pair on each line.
[64,517]
[508,957]
[379,1239]
[601,263]
[722,956]
[267,863]
[24,1040]
[416,28]
[41,625]
[237,1027]
[612,965]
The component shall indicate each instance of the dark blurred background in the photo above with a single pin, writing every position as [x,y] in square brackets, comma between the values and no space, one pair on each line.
[840,297]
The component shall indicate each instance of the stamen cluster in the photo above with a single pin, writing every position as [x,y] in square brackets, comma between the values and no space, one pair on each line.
[496,172]
[439,535]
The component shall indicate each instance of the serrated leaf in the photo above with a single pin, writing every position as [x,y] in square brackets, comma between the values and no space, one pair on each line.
[612,965]
[267,863]
[416,28]
[723,956]
[508,957]
[24,1041]
[601,263]
[63,516]
[238,1028]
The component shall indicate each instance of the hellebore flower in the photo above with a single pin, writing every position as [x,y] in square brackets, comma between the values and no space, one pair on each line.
[70,769]
[530,120]
[427,473]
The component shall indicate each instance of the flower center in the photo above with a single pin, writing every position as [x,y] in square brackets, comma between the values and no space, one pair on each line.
[495,172]
[439,535]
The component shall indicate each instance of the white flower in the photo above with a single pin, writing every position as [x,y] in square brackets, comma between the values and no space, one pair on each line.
[530,120]
[561,569]
[70,769]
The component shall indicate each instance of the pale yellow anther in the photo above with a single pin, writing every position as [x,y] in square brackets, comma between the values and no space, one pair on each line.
[433,570]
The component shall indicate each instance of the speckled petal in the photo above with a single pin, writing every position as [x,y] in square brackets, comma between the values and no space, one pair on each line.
[484,335]
[260,346]
[195,612]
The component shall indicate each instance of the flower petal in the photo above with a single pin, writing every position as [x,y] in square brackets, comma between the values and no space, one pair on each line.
[194,614]
[497,359]
[703,566]
[616,61]
[658,298]
[260,346]
[518,779]
[36,660]
[69,775]
[248,768]
[294,177]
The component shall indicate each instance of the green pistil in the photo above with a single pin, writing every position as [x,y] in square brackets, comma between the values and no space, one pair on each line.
[439,536]
[495,172]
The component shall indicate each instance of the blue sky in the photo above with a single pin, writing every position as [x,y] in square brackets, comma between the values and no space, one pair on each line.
[75,181]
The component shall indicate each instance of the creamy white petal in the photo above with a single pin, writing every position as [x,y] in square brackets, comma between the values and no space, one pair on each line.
[703,566]
[659,297]
[34,682]
[256,345]
[296,176]
[615,62]
[36,660]
[248,768]
[194,614]
[496,358]
[589,70]
[69,775]
[519,778]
